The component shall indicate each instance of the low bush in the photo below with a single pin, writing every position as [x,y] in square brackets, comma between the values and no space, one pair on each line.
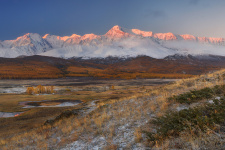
[40,90]
[173,123]
[197,95]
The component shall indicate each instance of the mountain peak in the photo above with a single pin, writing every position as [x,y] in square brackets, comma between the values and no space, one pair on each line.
[165,36]
[75,35]
[55,37]
[142,33]
[32,35]
[117,32]
[90,37]
[188,37]
[116,27]
[45,36]
[27,37]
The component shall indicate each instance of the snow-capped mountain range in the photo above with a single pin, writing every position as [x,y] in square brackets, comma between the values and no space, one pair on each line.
[117,41]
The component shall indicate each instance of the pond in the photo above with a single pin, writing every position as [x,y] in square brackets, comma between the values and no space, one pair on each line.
[50,103]
[9,114]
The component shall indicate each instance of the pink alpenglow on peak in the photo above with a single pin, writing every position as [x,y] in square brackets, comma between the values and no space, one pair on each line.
[75,36]
[117,32]
[47,36]
[24,40]
[29,36]
[142,33]
[216,40]
[211,40]
[64,38]
[73,39]
[188,37]
[90,37]
[203,39]
[116,27]
[165,36]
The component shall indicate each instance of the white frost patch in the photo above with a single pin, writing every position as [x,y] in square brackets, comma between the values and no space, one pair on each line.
[96,144]
[218,98]
[124,134]
[65,104]
[211,101]
[77,145]
[16,90]
[182,107]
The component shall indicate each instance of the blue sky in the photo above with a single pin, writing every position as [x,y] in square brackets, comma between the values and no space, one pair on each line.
[65,17]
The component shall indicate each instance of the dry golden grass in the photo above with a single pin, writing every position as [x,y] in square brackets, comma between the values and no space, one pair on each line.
[138,135]
[33,119]
[112,113]
[188,140]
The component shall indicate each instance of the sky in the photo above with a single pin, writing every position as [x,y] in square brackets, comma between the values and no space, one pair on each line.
[67,17]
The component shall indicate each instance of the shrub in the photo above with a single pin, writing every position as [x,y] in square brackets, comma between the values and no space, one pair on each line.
[30,90]
[173,123]
[197,95]
[40,90]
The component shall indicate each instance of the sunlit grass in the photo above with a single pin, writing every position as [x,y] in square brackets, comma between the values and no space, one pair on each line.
[130,110]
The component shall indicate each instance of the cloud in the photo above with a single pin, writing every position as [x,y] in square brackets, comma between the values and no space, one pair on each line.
[194,2]
[126,47]
[137,46]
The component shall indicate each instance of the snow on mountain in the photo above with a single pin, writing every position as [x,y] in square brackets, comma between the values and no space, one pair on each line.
[217,41]
[89,37]
[32,40]
[29,44]
[4,52]
[142,33]
[117,41]
[55,41]
[1,44]
[129,46]
[165,36]
[188,37]
[73,39]
[195,48]
[117,33]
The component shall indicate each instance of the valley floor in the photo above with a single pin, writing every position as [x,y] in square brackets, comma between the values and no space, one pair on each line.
[14,100]
[127,122]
